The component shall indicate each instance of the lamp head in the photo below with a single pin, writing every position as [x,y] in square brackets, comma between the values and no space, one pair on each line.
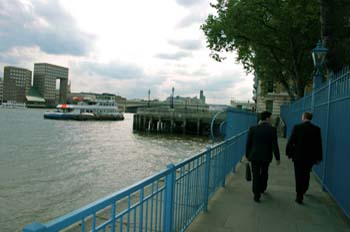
[319,54]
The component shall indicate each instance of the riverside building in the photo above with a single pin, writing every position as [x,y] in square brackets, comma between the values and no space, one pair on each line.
[269,97]
[16,84]
[45,76]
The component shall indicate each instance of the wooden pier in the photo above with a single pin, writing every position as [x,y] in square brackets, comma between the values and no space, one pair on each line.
[195,121]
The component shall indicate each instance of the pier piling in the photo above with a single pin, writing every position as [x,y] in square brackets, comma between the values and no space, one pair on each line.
[177,120]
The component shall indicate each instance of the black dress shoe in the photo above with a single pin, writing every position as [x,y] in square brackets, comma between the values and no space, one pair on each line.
[256,199]
[299,201]
[299,198]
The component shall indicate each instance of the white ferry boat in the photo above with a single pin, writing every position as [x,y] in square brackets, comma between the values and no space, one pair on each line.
[99,110]
[13,105]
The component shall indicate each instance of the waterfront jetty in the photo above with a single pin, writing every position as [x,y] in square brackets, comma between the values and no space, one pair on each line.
[181,119]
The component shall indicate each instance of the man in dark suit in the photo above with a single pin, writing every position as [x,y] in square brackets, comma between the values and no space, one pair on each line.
[304,147]
[261,143]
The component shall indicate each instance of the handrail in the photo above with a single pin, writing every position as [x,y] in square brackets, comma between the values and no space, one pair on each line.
[166,201]
[76,215]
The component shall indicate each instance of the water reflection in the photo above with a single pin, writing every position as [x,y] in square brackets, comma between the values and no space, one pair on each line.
[49,168]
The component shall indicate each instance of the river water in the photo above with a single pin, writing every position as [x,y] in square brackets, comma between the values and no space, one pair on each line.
[49,168]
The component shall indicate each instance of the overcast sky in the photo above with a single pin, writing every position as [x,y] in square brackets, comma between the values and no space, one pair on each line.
[122,46]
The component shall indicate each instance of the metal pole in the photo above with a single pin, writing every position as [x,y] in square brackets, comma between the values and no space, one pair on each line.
[318,79]
[206,179]
[225,164]
[169,199]
[316,84]
[313,96]
[326,133]
[172,98]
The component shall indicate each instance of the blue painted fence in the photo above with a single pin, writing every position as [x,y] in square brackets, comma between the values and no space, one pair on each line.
[332,113]
[166,201]
[237,120]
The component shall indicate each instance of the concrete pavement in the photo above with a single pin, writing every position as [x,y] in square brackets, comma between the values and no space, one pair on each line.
[232,208]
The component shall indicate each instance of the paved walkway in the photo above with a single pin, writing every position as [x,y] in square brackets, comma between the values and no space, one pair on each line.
[232,208]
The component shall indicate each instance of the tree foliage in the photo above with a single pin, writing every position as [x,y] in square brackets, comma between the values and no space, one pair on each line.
[335,27]
[272,38]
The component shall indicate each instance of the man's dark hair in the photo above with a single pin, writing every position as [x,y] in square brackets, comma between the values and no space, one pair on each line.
[307,115]
[264,115]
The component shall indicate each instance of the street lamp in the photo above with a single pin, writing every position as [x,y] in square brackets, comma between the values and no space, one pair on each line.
[149,99]
[318,55]
[172,98]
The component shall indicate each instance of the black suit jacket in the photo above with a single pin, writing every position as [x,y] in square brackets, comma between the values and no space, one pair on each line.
[261,142]
[305,143]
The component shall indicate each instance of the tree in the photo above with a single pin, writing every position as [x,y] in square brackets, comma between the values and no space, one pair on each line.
[335,29]
[272,38]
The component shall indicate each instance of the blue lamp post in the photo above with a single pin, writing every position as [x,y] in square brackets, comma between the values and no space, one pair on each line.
[318,55]
[172,98]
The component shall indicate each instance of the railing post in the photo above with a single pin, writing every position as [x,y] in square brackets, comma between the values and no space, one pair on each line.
[234,152]
[224,164]
[35,227]
[327,132]
[169,199]
[290,124]
[206,179]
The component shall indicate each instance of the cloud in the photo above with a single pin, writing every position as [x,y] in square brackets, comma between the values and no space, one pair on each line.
[191,19]
[187,44]
[25,57]
[110,70]
[86,79]
[211,83]
[218,88]
[20,57]
[131,81]
[44,24]
[195,73]
[197,12]
[188,2]
[173,56]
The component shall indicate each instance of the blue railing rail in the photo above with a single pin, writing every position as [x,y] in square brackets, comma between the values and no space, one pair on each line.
[331,111]
[166,201]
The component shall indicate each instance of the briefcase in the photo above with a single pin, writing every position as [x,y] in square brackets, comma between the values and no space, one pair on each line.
[248,172]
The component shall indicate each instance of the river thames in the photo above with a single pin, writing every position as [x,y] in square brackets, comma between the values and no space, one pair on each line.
[49,168]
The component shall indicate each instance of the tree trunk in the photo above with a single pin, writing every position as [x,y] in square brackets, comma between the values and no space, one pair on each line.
[327,35]
[300,89]
[325,18]
[286,86]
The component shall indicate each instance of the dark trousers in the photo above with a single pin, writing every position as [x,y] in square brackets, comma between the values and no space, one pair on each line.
[260,172]
[302,178]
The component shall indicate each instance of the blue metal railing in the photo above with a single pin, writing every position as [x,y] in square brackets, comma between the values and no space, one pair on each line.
[331,112]
[166,201]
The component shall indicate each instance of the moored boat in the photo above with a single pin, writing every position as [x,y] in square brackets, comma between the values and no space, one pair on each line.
[99,110]
[13,105]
